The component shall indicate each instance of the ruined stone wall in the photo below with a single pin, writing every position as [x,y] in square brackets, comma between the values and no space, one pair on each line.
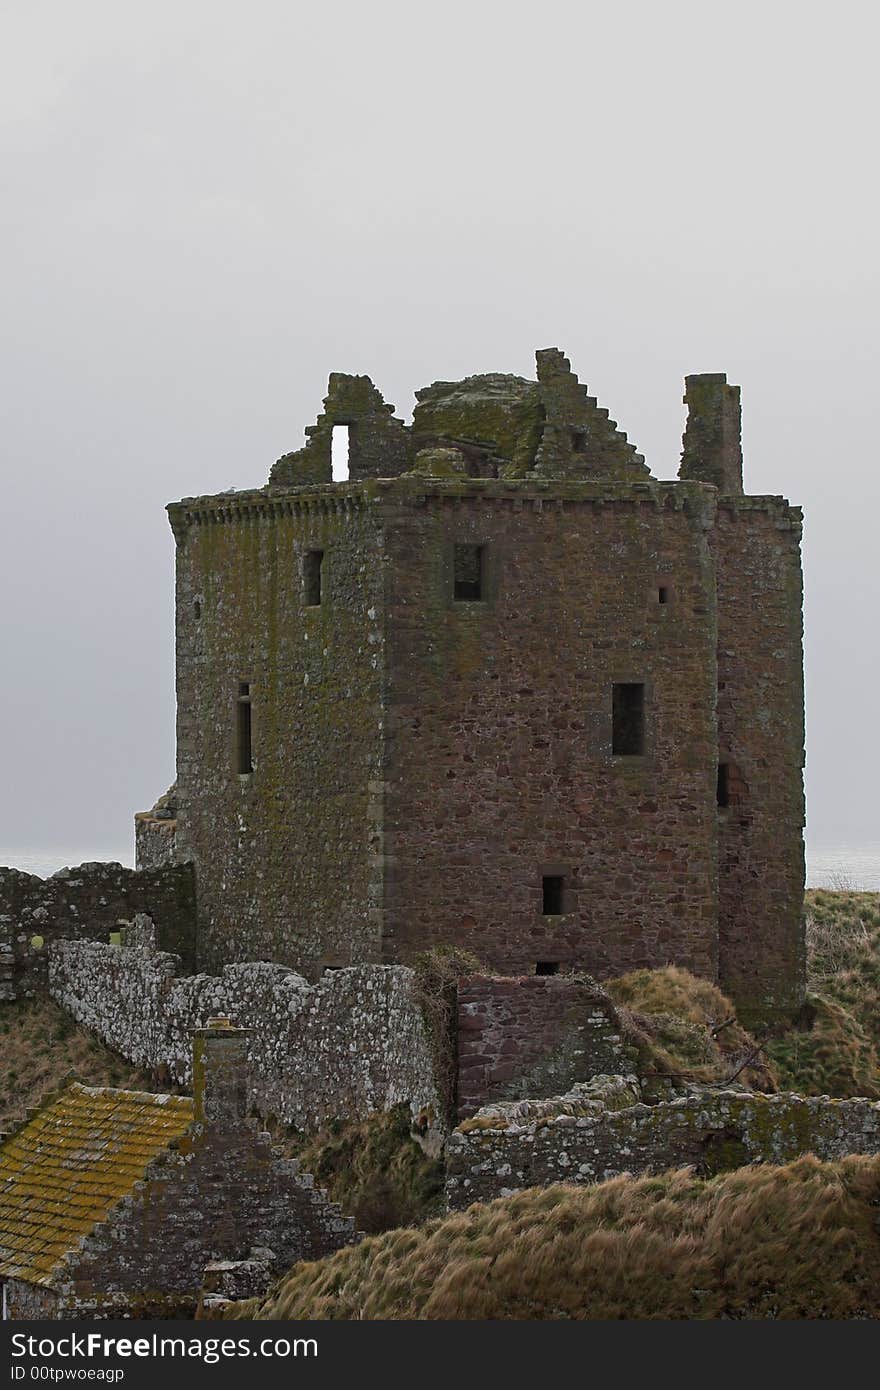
[220,1191]
[352,1044]
[584,1140]
[499,764]
[532,1036]
[87,902]
[154,840]
[284,855]
[756,543]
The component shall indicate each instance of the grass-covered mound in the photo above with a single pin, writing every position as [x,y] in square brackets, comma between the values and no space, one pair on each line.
[39,1045]
[681,1025]
[800,1241]
[684,1027]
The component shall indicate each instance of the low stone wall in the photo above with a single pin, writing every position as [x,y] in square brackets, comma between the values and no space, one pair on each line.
[588,1136]
[87,902]
[350,1045]
[532,1035]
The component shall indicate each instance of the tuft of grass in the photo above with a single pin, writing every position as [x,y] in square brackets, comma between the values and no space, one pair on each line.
[684,1027]
[798,1241]
[40,1045]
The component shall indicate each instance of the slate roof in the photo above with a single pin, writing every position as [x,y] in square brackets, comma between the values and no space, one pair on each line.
[64,1170]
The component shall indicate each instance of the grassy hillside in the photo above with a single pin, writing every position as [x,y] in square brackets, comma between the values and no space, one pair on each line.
[40,1045]
[836,1048]
[799,1241]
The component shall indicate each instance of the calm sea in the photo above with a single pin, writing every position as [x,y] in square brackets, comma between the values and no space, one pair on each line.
[831,866]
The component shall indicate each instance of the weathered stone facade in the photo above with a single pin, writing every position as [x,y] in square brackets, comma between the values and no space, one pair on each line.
[352,1044]
[532,1036]
[499,655]
[87,903]
[603,1129]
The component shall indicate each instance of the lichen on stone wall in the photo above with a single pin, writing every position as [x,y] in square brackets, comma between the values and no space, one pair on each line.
[604,1130]
[351,1044]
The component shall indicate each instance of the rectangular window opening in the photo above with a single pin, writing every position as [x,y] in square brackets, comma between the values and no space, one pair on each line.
[552,886]
[663,593]
[547,967]
[313,565]
[243,712]
[468,573]
[628,719]
[340,450]
[722,794]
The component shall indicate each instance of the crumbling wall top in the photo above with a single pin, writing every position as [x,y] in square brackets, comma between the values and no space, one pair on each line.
[712,441]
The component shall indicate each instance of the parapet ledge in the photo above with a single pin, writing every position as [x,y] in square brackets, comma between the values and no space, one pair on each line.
[264,503]
[789,517]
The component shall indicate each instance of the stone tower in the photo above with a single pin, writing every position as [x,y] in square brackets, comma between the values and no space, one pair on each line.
[500,688]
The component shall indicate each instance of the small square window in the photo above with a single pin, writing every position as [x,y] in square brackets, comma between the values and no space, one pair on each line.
[547,967]
[468,573]
[552,890]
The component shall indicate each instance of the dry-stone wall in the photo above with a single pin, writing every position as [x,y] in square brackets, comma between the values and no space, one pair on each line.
[601,1129]
[352,1044]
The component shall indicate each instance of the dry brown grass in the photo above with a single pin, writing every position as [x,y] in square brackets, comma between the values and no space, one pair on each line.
[40,1045]
[685,1027]
[799,1241]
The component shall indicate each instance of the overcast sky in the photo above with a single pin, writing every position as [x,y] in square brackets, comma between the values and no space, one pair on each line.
[208,207]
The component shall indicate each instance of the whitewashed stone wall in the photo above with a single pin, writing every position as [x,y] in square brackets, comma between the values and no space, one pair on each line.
[348,1046]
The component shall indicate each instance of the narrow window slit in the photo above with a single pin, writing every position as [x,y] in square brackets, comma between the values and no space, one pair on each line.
[468,573]
[243,711]
[628,719]
[722,793]
[313,565]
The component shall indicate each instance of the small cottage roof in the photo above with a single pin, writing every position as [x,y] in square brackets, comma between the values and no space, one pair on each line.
[64,1170]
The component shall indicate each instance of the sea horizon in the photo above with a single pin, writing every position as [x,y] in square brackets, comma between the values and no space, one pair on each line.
[850,867]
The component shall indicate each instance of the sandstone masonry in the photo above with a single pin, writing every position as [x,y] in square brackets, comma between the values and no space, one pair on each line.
[532,1036]
[501,689]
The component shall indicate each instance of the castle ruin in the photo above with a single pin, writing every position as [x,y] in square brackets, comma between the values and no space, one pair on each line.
[499,688]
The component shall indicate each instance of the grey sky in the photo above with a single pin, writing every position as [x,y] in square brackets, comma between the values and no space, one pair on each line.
[208,207]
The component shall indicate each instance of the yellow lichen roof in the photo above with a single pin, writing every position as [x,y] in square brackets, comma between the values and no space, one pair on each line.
[62,1172]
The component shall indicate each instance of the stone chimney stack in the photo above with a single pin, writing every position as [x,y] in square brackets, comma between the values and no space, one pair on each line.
[712,442]
[220,1073]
